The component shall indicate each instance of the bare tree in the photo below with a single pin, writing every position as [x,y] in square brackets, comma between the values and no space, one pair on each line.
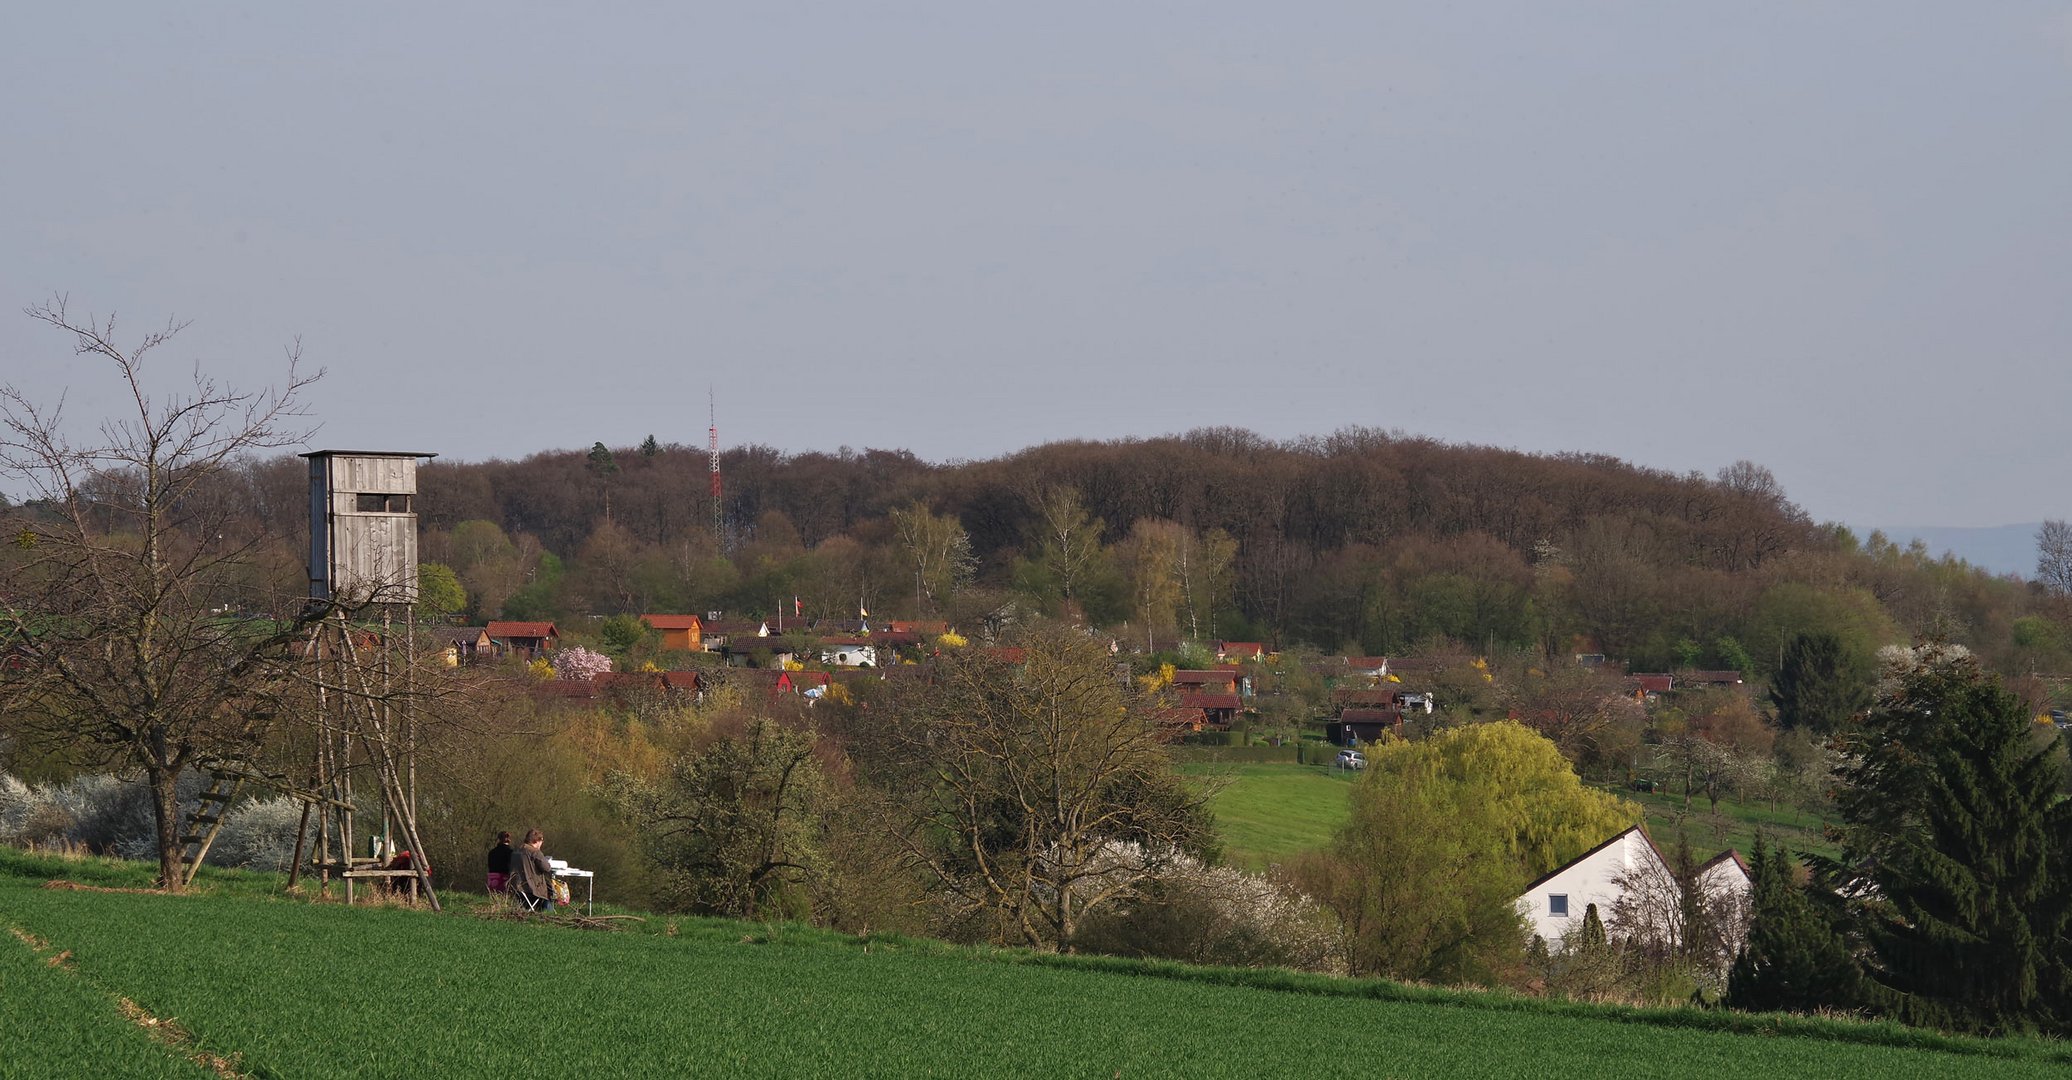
[2054,556]
[1068,539]
[738,824]
[121,649]
[1675,909]
[940,550]
[1576,707]
[1032,784]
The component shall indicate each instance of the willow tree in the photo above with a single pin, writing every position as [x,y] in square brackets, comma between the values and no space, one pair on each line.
[1443,836]
[116,611]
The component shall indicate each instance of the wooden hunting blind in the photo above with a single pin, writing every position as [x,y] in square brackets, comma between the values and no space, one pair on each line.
[363,526]
[363,567]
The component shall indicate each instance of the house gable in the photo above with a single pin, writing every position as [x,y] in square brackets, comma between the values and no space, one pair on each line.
[683,632]
[1556,903]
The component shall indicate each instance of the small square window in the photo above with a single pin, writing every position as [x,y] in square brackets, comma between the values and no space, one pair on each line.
[1557,905]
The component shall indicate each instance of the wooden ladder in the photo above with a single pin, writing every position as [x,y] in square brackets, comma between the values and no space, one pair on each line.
[208,820]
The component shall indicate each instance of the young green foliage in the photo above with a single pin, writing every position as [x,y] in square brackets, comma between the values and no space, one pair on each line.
[1443,835]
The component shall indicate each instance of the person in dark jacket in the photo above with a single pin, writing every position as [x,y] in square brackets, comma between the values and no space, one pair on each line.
[500,863]
[532,875]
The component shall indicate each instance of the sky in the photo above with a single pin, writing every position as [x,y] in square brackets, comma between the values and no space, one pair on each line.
[1834,239]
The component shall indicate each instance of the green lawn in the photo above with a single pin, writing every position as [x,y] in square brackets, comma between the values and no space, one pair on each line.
[1269,811]
[293,989]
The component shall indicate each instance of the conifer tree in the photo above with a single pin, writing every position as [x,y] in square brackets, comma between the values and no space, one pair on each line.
[1793,960]
[1593,926]
[1814,687]
[1956,840]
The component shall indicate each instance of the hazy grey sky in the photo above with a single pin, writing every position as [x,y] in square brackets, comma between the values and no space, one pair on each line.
[1835,239]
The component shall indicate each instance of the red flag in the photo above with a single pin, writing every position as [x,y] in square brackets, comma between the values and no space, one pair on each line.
[795,608]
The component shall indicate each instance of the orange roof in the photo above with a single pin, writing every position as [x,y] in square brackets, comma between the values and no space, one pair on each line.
[522,630]
[1205,678]
[673,622]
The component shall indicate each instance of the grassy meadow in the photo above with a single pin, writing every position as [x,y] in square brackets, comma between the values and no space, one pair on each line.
[267,986]
[1269,811]
[1734,826]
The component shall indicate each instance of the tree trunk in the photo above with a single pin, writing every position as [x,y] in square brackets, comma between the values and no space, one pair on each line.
[165,817]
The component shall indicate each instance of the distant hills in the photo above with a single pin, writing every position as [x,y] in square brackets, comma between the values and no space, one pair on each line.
[1996,549]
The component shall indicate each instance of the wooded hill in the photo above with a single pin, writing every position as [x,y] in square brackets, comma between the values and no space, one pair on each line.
[1365,542]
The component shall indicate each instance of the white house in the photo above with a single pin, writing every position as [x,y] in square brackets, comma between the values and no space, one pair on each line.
[848,652]
[1725,874]
[1556,904]
[1725,878]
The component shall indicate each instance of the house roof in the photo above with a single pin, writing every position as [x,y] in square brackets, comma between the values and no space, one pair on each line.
[1713,678]
[848,640]
[565,688]
[673,622]
[774,680]
[1241,648]
[1218,677]
[1609,841]
[1724,856]
[1367,663]
[1370,696]
[522,630]
[1652,684]
[1371,716]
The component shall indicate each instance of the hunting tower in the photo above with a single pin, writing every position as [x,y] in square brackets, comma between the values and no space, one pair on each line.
[363,569]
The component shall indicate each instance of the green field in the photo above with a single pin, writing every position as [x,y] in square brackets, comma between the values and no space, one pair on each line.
[1733,827]
[285,988]
[1269,811]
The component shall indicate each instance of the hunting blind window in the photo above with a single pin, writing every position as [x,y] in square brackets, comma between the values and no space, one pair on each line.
[376,503]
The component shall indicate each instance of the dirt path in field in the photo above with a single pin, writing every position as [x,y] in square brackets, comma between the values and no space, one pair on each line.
[166,1033]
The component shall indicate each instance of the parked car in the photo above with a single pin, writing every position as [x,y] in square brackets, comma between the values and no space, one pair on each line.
[1352,759]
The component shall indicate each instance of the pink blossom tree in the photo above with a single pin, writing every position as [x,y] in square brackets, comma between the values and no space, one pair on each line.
[576,662]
